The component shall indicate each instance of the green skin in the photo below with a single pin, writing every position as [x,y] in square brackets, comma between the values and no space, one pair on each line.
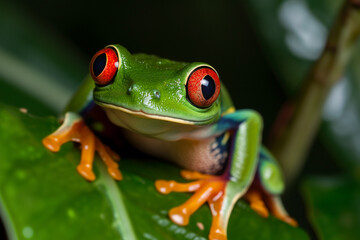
[148,97]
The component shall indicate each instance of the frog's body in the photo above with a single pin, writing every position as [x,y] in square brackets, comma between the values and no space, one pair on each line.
[176,111]
[208,157]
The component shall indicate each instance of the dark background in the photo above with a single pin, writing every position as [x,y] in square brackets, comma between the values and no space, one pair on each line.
[217,32]
[220,33]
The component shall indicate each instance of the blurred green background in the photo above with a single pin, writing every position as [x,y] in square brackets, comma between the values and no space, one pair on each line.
[261,49]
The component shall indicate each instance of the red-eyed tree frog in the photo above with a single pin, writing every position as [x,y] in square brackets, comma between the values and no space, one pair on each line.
[180,112]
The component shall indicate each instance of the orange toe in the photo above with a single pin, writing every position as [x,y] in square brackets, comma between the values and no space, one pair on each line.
[260,208]
[51,143]
[163,186]
[166,187]
[191,175]
[289,220]
[217,235]
[179,216]
[115,173]
[86,172]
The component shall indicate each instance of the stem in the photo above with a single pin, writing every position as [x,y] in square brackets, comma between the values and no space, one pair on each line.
[292,144]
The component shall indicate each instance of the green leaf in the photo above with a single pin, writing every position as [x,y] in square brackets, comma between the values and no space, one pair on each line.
[334,207]
[42,196]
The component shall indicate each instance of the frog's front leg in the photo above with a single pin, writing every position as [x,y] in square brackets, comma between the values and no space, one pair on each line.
[205,188]
[75,129]
[221,192]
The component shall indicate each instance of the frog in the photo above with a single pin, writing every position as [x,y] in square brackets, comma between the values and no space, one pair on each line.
[180,112]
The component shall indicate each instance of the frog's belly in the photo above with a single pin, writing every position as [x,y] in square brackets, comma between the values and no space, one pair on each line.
[203,156]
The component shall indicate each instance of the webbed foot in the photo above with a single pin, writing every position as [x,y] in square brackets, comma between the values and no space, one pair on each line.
[74,129]
[206,188]
[256,198]
[221,194]
[256,203]
[279,211]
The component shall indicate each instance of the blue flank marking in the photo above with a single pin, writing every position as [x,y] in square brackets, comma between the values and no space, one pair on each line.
[223,148]
[262,155]
[223,153]
[265,156]
[226,124]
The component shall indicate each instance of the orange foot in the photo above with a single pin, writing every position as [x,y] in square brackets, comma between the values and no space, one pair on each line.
[74,129]
[279,211]
[256,203]
[207,188]
[256,199]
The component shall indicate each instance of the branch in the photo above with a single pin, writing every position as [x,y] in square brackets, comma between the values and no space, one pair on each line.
[292,144]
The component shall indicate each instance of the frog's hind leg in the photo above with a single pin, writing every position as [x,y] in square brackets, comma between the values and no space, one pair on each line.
[277,208]
[205,188]
[262,202]
[272,185]
[255,197]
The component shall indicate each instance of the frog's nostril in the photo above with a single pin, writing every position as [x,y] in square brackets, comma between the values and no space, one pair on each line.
[130,89]
[157,94]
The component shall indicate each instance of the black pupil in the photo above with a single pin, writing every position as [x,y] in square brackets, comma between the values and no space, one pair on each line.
[99,64]
[208,87]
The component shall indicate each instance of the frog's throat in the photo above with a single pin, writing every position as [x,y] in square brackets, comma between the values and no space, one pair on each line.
[141,114]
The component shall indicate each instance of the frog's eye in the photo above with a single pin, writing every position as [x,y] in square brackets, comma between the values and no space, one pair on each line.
[203,87]
[104,65]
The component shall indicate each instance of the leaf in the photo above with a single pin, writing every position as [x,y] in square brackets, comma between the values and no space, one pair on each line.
[42,196]
[334,207]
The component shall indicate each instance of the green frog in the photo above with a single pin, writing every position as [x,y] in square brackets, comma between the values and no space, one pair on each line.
[183,113]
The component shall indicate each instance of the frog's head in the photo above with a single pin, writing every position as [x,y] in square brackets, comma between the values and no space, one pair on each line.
[137,87]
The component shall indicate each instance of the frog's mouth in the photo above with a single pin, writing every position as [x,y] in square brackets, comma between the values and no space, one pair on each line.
[144,115]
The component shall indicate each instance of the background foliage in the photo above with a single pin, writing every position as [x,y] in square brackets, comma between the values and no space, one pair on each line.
[262,49]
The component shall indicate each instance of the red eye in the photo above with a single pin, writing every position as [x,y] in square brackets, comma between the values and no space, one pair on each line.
[203,87]
[104,65]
